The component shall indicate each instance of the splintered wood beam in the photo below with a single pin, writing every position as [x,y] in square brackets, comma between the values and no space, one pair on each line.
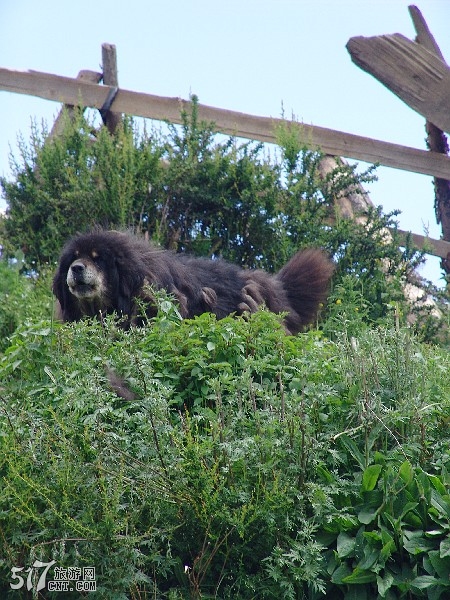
[424,36]
[409,70]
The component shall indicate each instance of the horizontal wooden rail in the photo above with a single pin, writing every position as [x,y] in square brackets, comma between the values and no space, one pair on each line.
[77,92]
[434,247]
[439,248]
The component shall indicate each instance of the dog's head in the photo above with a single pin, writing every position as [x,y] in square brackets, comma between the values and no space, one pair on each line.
[86,278]
[97,274]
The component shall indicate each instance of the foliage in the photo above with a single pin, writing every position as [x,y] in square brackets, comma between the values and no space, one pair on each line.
[245,463]
[68,183]
[240,462]
[191,190]
[23,297]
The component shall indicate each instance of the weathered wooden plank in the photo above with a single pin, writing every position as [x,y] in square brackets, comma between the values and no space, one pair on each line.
[409,70]
[58,125]
[435,247]
[75,91]
[53,87]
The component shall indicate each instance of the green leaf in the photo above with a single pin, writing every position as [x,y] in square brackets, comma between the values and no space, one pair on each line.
[386,551]
[440,565]
[415,543]
[384,583]
[367,515]
[438,485]
[373,536]
[373,501]
[370,477]
[444,548]
[360,576]
[424,581]
[409,506]
[406,472]
[324,474]
[353,449]
[370,558]
[440,503]
[345,545]
[296,384]
[386,537]
[340,574]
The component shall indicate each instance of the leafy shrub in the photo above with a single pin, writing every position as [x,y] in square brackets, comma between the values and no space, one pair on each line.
[23,297]
[71,183]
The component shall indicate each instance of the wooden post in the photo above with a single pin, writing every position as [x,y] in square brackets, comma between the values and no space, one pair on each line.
[353,203]
[110,77]
[436,139]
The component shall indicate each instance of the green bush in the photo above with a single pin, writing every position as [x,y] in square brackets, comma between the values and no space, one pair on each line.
[69,183]
[23,297]
[244,463]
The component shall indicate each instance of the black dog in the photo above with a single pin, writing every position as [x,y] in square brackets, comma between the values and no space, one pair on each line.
[108,271]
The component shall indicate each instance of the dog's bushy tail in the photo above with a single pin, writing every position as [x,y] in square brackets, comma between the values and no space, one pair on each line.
[306,279]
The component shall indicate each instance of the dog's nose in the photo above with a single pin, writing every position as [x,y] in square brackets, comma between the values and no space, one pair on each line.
[77,269]
[77,272]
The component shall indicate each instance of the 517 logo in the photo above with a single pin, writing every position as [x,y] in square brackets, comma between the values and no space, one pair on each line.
[65,579]
[19,580]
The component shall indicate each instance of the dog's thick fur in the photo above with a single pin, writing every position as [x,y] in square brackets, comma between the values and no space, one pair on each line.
[108,271]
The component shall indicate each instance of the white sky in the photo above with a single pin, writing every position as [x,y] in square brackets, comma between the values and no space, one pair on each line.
[251,56]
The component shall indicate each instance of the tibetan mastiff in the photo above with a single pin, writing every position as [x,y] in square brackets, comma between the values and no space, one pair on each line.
[105,272]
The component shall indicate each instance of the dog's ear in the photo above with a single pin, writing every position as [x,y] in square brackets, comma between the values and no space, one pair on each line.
[67,309]
[128,282]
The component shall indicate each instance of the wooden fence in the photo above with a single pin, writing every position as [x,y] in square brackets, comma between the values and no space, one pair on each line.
[75,91]
[110,100]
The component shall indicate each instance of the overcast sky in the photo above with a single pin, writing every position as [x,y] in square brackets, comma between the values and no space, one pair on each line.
[253,56]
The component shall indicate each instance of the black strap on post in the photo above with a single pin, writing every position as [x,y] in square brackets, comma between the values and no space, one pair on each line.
[108,102]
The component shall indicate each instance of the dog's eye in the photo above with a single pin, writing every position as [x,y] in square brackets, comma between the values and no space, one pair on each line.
[96,258]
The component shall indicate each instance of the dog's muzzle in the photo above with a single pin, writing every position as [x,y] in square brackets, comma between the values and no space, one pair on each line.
[84,280]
